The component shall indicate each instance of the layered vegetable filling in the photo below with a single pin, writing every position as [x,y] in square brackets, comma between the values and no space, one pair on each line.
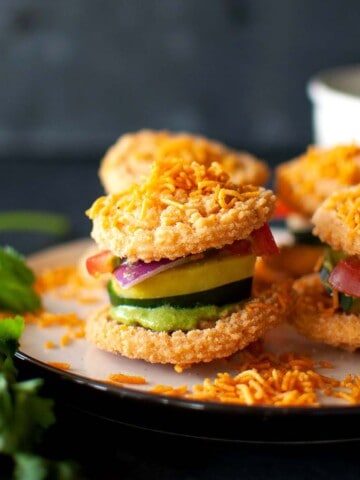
[186,293]
[182,297]
[340,275]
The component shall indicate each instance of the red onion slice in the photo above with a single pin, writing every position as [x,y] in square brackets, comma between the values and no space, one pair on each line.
[130,274]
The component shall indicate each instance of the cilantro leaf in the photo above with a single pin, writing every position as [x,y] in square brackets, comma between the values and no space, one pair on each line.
[10,333]
[27,419]
[24,414]
[33,467]
[16,283]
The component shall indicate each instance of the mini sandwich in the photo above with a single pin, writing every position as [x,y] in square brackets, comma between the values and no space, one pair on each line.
[301,185]
[129,159]
[328,305]
[181,250]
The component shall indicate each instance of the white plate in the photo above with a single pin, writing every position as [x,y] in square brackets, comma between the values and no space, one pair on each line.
[90,368]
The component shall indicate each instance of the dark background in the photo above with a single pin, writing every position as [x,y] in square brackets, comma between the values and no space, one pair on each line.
[76,74]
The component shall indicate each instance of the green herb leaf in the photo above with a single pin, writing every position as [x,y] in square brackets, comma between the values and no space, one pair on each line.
[10,333]
[16,283]
[29,417]
[30,467]
[33,221]
[25,414]
[33,467]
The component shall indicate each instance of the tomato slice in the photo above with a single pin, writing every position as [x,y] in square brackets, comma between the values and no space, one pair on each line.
[345,277]
[263,242]
[239,247]
[103,262]
[281,210]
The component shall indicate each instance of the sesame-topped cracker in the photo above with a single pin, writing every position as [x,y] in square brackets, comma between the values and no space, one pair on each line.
[184,207]
[306,181]
[129,159]
[337,220]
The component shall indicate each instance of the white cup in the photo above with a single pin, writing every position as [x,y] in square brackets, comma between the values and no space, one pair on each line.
[335,97]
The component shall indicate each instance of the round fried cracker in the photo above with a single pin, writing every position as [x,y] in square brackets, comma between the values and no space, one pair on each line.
[129,159]
[313,316]
[337,220]
[172,231]
[244,324]
[304,182]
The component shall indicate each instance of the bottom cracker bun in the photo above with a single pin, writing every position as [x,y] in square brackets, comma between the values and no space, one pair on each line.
[314,317]
[237,328]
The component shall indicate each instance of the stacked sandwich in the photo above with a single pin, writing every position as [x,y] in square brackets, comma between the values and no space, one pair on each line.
[301,185]
[129,161]
[180,248]
[328,304]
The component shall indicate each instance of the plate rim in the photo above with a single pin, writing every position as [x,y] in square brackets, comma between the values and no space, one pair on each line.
[122,391]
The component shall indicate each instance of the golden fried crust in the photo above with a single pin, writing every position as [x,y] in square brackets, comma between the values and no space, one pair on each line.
[304,182]
[129,159]
[313,316]
[168,231]
[337,221]
[286,190]
[235,330]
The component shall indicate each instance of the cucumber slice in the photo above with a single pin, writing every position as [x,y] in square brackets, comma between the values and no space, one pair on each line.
[231,293]
[349,304]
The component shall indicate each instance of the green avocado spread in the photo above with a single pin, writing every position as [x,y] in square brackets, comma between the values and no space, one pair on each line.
[164,318]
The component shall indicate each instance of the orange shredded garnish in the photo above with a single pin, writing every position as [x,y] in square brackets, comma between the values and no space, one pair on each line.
[65,340]
[60,365]
[130,379]
[264,378]
[346,203]
[49,344]
[66,282]
[324,364]
[180,170]
[319,263]
[335,299]
[319,172]
[74,325]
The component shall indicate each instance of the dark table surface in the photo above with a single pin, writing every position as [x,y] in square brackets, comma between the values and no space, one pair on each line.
[107,450]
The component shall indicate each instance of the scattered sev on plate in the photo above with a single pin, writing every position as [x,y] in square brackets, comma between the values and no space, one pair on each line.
[251,377]
[73,324]
[67,282]
[264,378]
[60,365]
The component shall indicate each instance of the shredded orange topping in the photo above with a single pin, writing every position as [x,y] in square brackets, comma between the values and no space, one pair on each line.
[340,163]
[265,378]
[346,203]
[75,326]
[66,282]
[60,365]
[335,299]
[181,169]
[120,378]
